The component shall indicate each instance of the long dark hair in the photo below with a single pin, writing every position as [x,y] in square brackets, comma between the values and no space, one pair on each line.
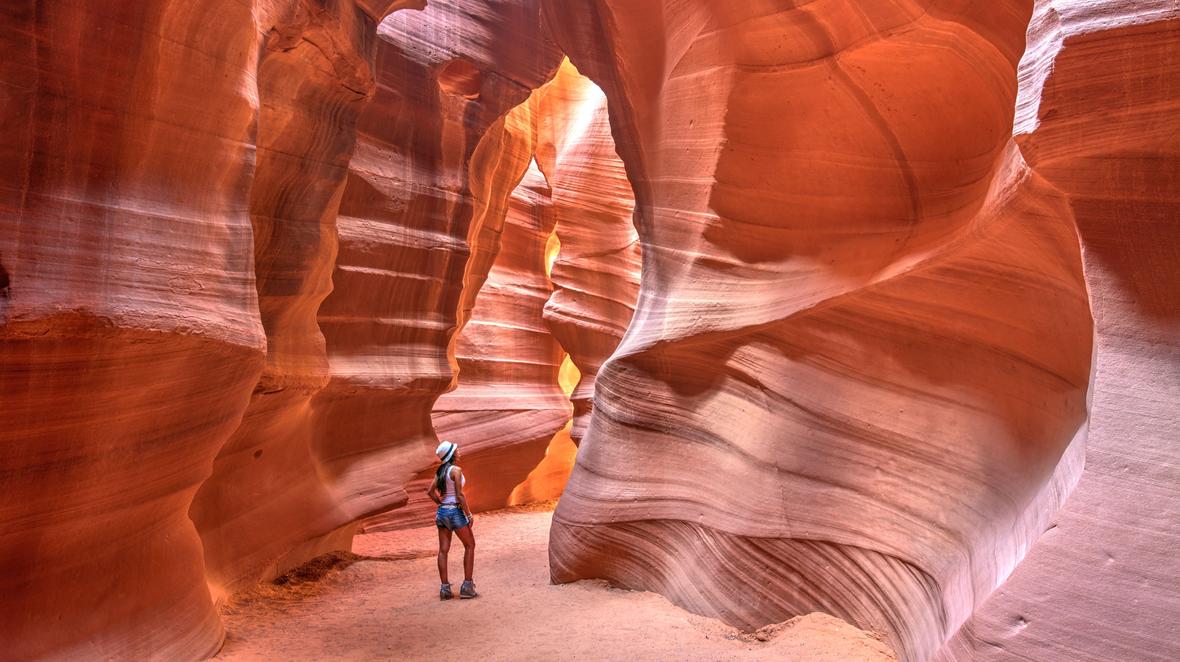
[440,477]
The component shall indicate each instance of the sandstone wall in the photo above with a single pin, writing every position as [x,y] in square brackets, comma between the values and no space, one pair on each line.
[509,410]
[186,327]
[1099,119]
[908,288]
[508,404]
[596,273]
[130,336]
[266,505]
[420,216]
[861,310]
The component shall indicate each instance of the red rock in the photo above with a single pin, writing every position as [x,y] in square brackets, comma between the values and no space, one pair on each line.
[169,235]
[1099,118]
[905,350]
[856,376]
[508,404]
[129,327]
[596,274]
[267,506]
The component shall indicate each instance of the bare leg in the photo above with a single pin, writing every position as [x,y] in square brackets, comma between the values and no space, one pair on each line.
[468,540]
[444,546]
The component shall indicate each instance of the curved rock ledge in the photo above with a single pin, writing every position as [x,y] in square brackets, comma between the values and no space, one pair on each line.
[873,332]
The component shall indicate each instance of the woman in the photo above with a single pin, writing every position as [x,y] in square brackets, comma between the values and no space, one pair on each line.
[454,516]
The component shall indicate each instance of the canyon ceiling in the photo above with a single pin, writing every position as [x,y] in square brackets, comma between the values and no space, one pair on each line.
[904,347]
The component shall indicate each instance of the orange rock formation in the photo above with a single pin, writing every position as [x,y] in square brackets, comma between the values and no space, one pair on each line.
[905,349]
[861,309]
[1099,118]
[596,275]
[508,404]
[234,253]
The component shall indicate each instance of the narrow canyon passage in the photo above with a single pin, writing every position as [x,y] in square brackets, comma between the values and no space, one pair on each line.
[868,309]
[380,603]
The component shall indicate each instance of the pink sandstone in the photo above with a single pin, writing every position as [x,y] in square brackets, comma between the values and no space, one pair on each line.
[904,350]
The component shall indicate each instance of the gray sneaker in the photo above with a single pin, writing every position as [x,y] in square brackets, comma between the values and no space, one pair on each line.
[467,590]
[444,592]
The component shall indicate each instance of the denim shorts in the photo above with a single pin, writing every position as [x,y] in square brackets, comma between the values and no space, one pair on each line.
[450,517]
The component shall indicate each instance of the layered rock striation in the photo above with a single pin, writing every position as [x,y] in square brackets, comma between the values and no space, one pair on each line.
[267,505]
[130,336]
[508,403]
[908,284]
[235,250]
[596,271]
[1099,118]
[437,156]
[873,330]
[526,289]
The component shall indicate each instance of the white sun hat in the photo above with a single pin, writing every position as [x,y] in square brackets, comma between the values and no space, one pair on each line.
[446,450]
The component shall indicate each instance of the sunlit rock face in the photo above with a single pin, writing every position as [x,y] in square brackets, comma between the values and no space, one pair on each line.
[510,411]
[856,376]
[596,273]
[433,166]
[1099,118]
[425,200]
[508,404]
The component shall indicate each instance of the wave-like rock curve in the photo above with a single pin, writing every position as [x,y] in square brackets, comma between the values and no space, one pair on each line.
[873,330]
[1099,118]
[596,271]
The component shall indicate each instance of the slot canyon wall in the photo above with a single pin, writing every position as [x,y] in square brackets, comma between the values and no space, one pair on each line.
[596,273]
[1099,118]
[565,276]
[236,243]
[905,350]
[508,404]
[866,309]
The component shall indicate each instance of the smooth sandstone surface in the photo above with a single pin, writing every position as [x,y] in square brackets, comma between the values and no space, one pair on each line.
[267,503]
[236,242]
[863,309]
[508,404]
[904,350]
[557,271]
[440,149]
[1099,118]
[596,272]
[130,336]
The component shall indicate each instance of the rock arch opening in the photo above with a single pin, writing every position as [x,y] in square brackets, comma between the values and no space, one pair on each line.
[548,295]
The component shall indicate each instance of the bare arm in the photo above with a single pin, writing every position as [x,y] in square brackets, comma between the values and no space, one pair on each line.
[432,492]
[459,492]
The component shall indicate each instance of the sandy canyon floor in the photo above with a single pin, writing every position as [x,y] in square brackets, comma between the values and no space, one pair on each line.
[380,603]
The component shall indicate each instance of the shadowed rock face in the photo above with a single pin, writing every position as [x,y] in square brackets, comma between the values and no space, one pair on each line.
[425,191]
[1099,118]
[873,330]
[314,79]
[129,327]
